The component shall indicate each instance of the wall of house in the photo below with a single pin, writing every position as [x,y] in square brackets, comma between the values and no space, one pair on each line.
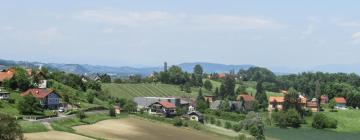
[52,100]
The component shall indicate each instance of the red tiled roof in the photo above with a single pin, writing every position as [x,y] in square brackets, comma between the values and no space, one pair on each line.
[277,99]
[37,93]
[340,100]
[222,75]
[167,104]
[247,98]
[6,75]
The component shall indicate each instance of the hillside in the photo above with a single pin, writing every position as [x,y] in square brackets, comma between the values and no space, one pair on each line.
[130,91]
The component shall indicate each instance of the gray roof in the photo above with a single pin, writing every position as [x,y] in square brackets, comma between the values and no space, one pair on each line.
[144,102]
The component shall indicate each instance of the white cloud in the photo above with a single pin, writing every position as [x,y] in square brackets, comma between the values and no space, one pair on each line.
[348,23]
[356,37]
[150,18]
[6,28]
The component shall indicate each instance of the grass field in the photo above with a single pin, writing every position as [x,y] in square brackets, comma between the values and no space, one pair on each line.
[130,91]
[11,109]
[348,120]
[31,127]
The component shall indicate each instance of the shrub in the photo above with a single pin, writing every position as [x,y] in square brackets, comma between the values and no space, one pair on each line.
[112,112]
[283,119]
[308,112]
[241,137]
[237,127]
[81,115]
[228,125]
[212,120]
[321,121]
[218,123]
[11,101]
[178,122]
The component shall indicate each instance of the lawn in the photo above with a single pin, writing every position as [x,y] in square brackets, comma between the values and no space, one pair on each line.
[31,127]
[11,109]
[348,120]
[307,133]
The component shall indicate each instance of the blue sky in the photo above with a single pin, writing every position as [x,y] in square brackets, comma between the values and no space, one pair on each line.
[148,32]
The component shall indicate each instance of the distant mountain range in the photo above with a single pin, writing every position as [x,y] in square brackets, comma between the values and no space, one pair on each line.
[208,68]
[121,71]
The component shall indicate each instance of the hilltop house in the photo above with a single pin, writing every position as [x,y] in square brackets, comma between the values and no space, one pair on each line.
[340,103]
[246,101]
[275,103]
[312,105]
[163,108]
[4,95]
[48,98]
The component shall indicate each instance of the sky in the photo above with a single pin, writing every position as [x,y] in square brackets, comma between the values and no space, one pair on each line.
[148,32]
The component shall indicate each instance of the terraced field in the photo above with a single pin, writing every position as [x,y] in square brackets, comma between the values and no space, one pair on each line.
[130,91]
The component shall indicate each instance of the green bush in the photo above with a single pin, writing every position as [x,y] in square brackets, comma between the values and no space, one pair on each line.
[228,125]
[178,122]
[81,115]
[212,120]
[237,127]
[241,137]
[321,121]
[112,112]
[218,123]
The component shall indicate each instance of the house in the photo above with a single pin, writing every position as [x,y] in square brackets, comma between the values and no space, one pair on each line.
[209,98]
[324,99]
[145,102]
[222,75]
[48,98]
[275,103]
[247,101]
[340,103]
[312,105]
[4,95]
[118,109]
[195,116]
[162,108]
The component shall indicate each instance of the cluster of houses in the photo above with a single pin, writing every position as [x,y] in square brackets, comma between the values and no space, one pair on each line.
[48,98]
[276,103]
[166,106]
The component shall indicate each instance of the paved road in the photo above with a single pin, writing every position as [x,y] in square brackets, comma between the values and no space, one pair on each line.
[70,116]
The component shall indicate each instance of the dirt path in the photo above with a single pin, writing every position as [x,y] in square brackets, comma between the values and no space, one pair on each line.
[136,129]
[54,135]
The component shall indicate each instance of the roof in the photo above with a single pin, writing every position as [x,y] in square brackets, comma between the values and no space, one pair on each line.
[311,104]
[197,113]
[222,75]
[340,100]
[167,104]
[324,97]
[37,92]
[277,99]
[247,98]
[6,75]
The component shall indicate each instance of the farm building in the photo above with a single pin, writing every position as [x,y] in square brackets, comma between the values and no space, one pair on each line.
[48,98]
[145,102]
[312,105]
[163,108]
[209,98]
[247,101]
[275,103]
[195,116]
[340,103]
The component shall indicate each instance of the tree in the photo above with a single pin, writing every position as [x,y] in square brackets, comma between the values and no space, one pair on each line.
[112,112]
[208,85]
[81,115]
[241,90]
[20,80]
[198,75]
[261,96]
[201,104]
[130,106]
[332,103]
[105,78]
[187,87]
[318,94]
[229,86]
[90,98]
[9,128]
[29,105]
[217,94]
[222,92]
[291,100]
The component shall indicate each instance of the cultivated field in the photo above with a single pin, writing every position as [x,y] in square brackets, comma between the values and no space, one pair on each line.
[137,129]
[54,135]
[130,91]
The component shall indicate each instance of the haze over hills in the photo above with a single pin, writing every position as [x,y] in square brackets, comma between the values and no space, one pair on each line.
[208,68]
